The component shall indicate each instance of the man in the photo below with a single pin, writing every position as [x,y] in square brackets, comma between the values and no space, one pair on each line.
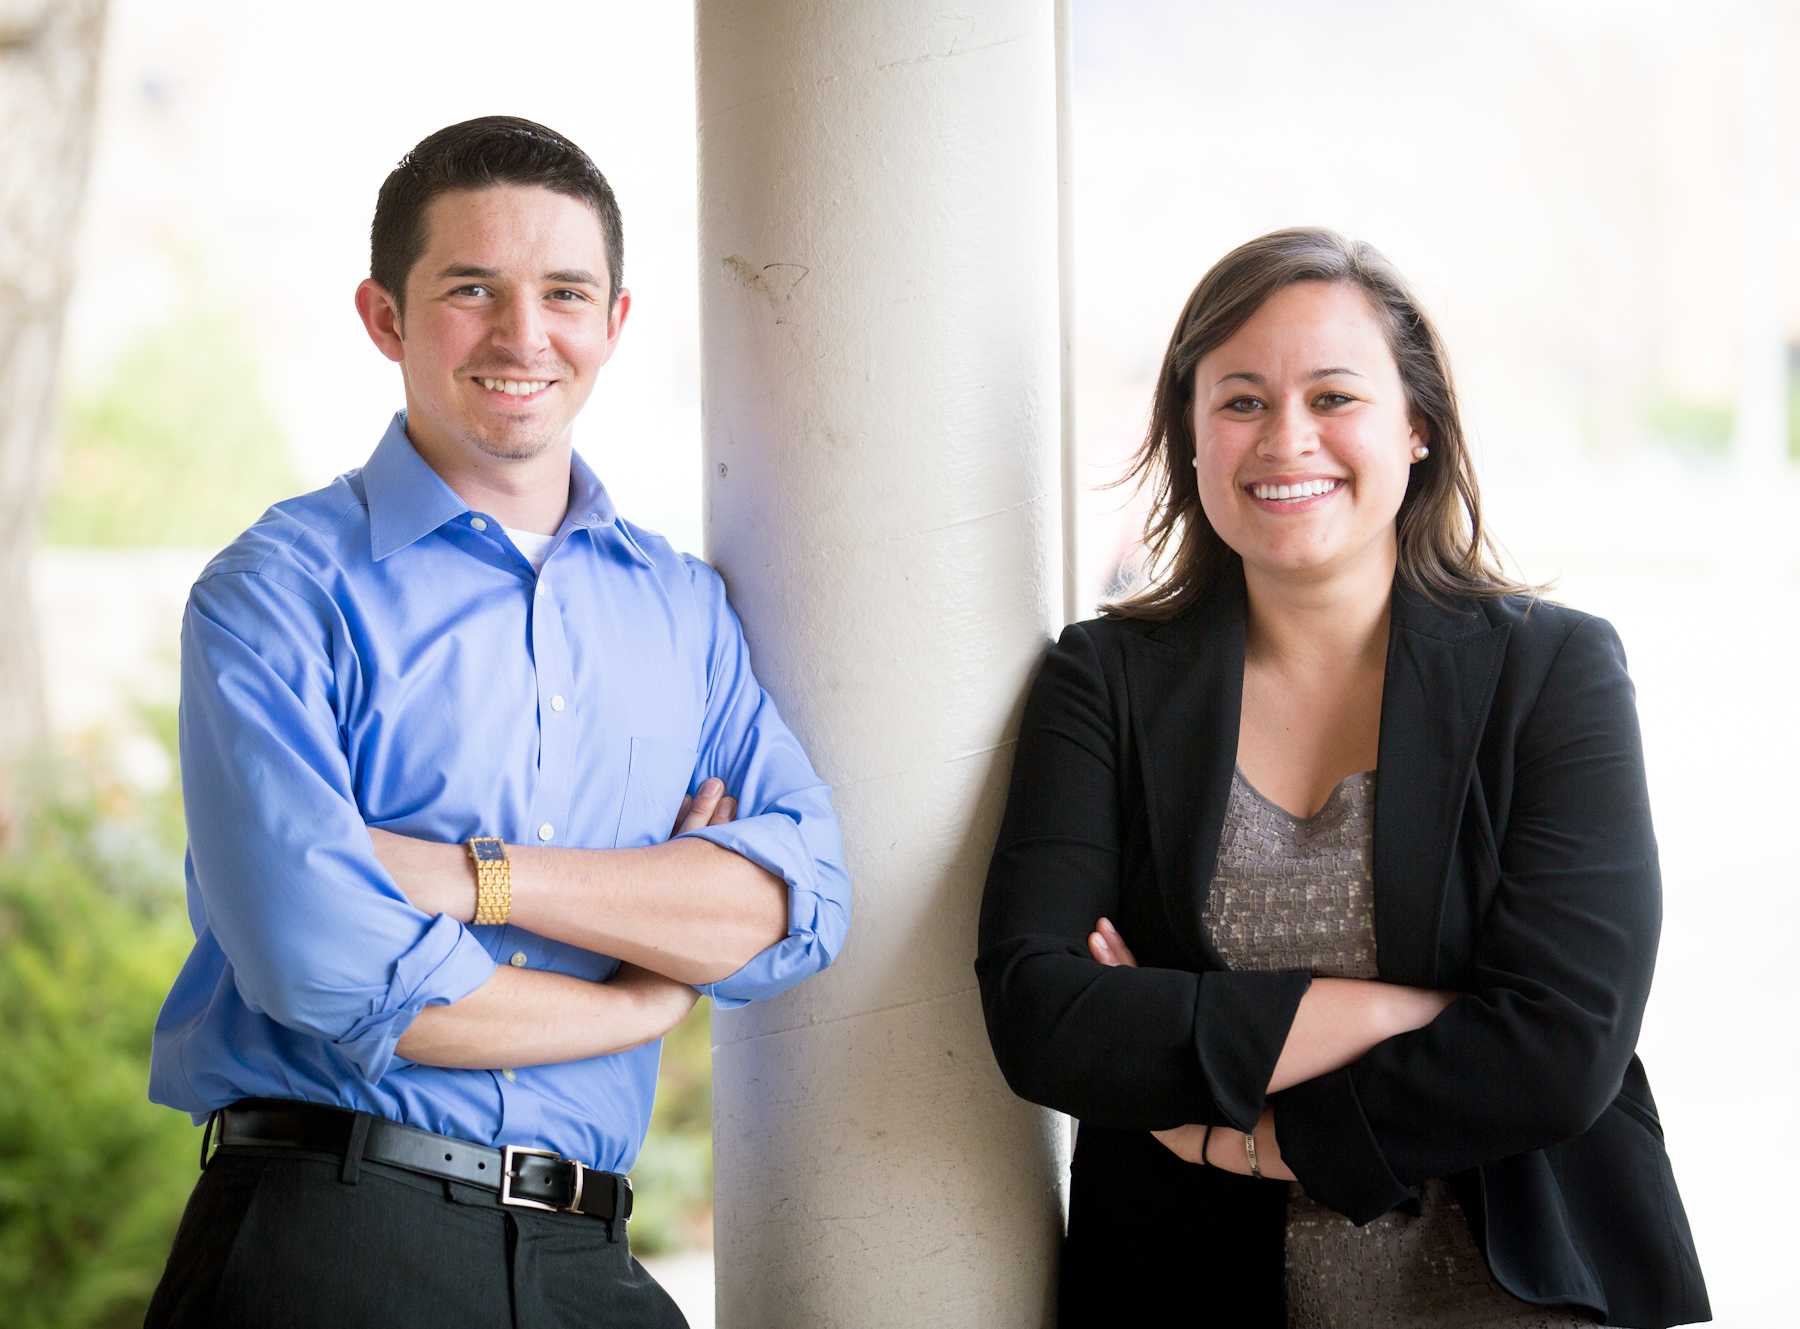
[455,745]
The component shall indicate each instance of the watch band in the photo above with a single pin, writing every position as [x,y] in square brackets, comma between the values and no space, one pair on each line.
[493,880]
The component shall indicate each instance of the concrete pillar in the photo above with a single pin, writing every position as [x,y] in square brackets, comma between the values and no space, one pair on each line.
[879,302]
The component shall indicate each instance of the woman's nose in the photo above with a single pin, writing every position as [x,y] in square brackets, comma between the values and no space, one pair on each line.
[1289,432]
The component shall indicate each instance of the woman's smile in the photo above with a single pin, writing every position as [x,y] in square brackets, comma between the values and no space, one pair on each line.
[1287,495]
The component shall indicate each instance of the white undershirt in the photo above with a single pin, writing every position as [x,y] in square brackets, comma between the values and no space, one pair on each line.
[535,547]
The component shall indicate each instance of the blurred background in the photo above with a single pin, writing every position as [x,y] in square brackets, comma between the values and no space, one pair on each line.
[1597,202]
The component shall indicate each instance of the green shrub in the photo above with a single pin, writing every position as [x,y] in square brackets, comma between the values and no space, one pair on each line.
[93,1176]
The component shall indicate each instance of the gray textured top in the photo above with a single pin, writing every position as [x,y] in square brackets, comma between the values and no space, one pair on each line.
[1298,893]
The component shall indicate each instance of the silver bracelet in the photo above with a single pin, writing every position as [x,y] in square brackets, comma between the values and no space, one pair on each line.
[1250,1154]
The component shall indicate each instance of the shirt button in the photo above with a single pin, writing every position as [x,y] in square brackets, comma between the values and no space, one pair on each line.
[478,523]
[557,703]
[518,959]
[546,831]
[512,1076]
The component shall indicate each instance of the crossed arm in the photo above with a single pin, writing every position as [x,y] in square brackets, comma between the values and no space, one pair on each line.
[1529,1052]
[675,914]
[1337,1021]
[356,938]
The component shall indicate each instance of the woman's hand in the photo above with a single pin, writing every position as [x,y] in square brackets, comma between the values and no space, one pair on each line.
[1186,1142]
[1109,948]
[1224,1146]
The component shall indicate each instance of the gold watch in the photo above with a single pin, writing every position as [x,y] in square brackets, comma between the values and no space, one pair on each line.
[493,880]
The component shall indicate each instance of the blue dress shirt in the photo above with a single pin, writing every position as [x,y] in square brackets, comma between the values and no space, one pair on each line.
[377,654]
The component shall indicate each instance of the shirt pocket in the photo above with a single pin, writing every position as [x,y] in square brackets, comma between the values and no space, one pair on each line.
[655,783]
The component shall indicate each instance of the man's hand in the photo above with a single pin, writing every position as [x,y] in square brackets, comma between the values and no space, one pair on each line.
[710,805]
[664,1001]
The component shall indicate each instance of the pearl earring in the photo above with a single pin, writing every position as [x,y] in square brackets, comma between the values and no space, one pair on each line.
[1421,452]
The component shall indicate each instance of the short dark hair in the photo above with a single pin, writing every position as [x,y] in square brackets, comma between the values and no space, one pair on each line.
[491,150]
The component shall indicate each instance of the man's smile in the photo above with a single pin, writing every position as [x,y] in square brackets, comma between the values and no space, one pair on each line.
[517,389]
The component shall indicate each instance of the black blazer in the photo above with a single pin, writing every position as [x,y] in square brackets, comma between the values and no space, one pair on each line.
[1514,862]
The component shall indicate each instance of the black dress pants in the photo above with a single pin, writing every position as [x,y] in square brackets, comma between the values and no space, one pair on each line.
[281,1240]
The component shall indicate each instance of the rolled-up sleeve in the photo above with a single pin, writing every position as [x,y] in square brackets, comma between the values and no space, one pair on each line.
[318,937]
[785,823]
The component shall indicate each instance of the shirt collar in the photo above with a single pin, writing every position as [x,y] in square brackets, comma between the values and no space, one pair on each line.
[591,506]
[408,500]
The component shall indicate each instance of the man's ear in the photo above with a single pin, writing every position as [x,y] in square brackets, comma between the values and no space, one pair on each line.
[615,323]
[381,318]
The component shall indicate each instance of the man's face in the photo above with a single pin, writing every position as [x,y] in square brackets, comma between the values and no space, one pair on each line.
[506,322]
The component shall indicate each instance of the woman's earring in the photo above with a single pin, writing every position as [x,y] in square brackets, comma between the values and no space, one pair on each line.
[1421,452]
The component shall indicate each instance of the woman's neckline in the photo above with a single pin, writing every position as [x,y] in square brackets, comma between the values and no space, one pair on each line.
[1337,791]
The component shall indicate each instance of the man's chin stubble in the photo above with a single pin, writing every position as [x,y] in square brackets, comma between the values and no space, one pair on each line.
[526,449]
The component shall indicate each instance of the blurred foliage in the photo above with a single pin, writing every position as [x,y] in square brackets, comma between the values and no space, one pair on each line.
[1692,426]
[176,445]
[93,1176]
[1706,426]
[93,928]
[673,1178]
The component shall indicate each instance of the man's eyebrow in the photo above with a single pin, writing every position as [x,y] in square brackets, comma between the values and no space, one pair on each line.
[571,276]
[1259,380]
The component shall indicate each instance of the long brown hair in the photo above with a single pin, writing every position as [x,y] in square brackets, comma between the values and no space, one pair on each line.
[1444,551]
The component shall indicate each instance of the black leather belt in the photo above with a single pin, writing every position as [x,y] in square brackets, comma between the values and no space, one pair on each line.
[520,1178]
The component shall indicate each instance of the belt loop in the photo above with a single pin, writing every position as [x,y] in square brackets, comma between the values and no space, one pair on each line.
[206,1138]
[353,1148]
[615,1226]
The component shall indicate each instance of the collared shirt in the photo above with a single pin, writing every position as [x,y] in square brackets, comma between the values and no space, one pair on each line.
[377,654]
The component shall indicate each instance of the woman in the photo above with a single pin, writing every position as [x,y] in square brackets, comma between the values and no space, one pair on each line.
[1328,857]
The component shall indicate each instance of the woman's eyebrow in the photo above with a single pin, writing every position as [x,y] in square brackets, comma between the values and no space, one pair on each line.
[1259,380]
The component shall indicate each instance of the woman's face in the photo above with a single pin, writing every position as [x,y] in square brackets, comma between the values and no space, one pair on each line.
[1305,400]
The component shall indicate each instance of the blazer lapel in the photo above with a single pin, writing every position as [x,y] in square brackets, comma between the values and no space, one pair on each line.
[1443,665]
[1187,680]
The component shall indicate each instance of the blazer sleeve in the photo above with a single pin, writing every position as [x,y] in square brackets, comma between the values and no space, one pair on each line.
[1141,1048]
[1537,1049]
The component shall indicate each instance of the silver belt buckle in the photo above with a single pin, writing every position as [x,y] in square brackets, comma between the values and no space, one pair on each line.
[512,1151]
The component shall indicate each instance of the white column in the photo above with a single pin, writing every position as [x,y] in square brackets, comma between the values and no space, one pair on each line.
[878,286]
